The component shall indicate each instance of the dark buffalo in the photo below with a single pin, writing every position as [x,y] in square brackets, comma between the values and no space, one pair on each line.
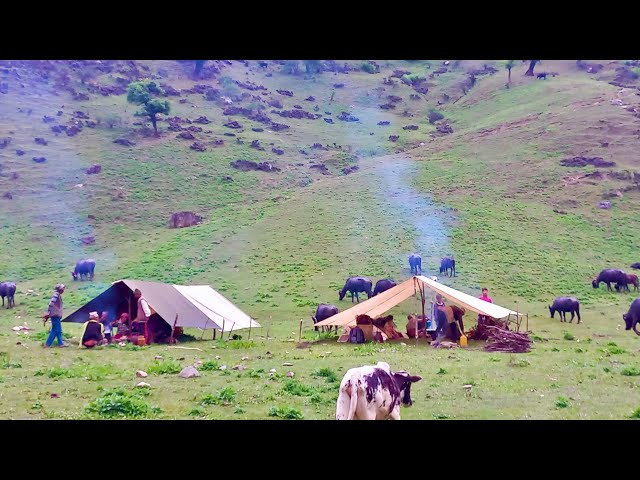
[632,279]
[8,289]
[324,311]
[636,266]
[632,317]
[447,264]
[383,285]
[562,305]
[356,285]
[415,263]
[84,268]
[609,276]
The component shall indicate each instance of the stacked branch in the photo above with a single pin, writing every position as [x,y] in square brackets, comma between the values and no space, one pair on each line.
[501,340]
[482,332]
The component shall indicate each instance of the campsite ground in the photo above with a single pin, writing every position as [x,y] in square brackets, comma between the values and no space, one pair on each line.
[486,193]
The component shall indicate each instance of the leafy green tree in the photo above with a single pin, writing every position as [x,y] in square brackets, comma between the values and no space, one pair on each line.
[509,65]
[142,93]
[532,64]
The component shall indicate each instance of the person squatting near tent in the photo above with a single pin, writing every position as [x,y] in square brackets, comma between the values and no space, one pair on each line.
[92,332]
[54,313]
[449,323]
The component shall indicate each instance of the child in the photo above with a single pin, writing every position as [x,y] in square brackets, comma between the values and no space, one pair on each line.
[104,320]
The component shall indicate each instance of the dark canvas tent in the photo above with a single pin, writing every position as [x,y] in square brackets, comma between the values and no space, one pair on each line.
[196,306]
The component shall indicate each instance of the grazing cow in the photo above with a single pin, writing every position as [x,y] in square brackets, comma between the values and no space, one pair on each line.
[447,264]
[542,76]
[84,268]
[562,305]
[415,263]
[356,285]
[374,392]
[632,279]
[632,317]
[636,266]
[8,289]
[324,311]
[609,276]
[383,285]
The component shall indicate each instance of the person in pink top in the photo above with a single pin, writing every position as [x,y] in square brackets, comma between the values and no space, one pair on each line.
[485,296]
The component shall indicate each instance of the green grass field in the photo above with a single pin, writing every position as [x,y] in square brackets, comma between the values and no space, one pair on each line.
[279,243]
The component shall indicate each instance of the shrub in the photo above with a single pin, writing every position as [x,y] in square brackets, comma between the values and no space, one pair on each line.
[326,373]
[630,372]
[294,387]
[164,367]
[120,403]
[288,413]
[209,365]
[562,402]
[434,116]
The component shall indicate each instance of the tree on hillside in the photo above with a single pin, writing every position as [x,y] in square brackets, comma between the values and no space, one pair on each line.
[142,93]
[532,64]
[199,66]
[509,65]
[292,67]
[313,66]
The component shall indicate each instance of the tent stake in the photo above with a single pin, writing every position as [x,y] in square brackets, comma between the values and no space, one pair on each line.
[222,332]
[214,334]
[300,332]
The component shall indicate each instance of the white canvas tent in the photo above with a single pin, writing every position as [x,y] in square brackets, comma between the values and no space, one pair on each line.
[195,306]
[385,301]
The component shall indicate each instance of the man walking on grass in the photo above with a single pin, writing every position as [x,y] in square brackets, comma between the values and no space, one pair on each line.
[55,315]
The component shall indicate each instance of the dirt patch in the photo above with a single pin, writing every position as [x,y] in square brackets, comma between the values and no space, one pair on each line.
[198,147]
[584,161]
[124,142]
[184,219]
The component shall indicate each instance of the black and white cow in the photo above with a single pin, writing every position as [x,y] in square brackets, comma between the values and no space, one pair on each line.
[374,393]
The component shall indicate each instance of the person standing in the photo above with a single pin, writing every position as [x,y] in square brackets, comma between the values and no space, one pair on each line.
[441,319]
[485,296]
[143,312]
[55,315]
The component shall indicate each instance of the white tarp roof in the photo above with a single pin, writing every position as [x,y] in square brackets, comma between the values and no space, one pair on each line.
[385,301]
[217,308]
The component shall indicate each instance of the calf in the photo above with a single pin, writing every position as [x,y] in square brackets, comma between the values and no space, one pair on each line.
[632,279]
[374,393]
[383,286]
[323,312]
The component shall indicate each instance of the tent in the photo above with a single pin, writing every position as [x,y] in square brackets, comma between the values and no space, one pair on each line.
[196,306]
[385,301]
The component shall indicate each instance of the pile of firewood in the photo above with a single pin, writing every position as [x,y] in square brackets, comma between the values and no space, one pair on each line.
[501,340]
[482,332]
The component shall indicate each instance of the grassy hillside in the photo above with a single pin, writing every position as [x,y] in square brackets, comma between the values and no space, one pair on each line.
[492,192]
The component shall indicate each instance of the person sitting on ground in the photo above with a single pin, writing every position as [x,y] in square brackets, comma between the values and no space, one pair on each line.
[123,327]
[93,332]
[104,320]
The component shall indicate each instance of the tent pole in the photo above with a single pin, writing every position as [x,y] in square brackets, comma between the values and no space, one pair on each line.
[250,320]
[214,334]
[424,318]
[300,332]
[173,329]
[222,332]
[204,329]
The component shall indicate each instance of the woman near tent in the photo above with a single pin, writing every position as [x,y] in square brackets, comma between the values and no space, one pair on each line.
[122,324]
[485,296]
[93,332]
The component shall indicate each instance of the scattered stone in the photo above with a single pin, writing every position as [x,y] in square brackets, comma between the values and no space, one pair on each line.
[94,169]
[244,358]
[39,159]
[273,370]
[141,374]
[310,99]
[328,120]
[239,367]
[40,141]
[290,374]
[184,219]
[387,106]
[186,136]
[48,119]
[277,151]
[143,385]
[276,127]
[287,93]
[347,117]
[5,141]
[88,240]
[124,142]
[233,124]
[338,85]
[351,169]
[189,372]
[287,364]
[229,134]
[384,123]
[74,130]
[157,357]
[193,128]
[257,129]
[90,124]
[410,127]
[218,142]
[8,196]
[203,120]
[218,357]
[199,147]
[445,129]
